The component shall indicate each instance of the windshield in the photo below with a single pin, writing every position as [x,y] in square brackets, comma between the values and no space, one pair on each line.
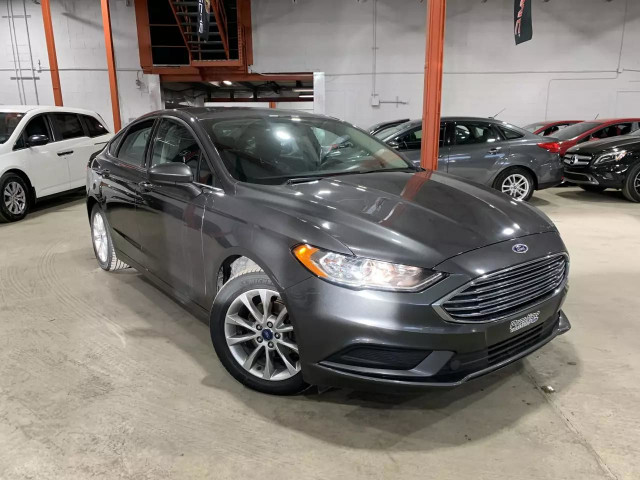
[532,127]
[275,149]
[576,130]
[8,123]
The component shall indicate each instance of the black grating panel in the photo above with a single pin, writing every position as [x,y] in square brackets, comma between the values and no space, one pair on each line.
[380,357]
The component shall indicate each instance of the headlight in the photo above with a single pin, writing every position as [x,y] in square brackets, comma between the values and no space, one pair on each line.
[610,157]
[359,272]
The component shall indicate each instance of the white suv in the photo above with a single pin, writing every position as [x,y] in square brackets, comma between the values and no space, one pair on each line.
[44,151]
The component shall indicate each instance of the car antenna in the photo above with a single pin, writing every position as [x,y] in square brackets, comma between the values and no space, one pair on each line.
[494,116]
[597,115]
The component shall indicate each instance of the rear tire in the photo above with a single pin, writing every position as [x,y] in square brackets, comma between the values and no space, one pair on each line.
[258,350]
[593,188]
[102,243]
[631,187]
[15,198]
[516,182]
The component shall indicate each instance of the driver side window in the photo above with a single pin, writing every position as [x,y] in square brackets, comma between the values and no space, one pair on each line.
[36,126]
[174,142]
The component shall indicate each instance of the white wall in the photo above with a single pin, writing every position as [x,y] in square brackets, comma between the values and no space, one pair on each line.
[79,38]
[576,66]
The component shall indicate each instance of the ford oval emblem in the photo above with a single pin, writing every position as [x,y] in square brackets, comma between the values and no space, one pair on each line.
[520,248]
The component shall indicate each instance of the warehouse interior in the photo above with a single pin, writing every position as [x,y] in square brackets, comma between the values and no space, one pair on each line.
[104,375]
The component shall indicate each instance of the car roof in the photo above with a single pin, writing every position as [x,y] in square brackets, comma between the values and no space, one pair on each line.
[207,113]
[43,109]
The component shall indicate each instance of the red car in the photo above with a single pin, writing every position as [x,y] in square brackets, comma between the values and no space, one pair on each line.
[594,130]
[547,129]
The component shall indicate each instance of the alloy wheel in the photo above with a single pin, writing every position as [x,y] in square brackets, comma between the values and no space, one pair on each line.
[516,185]
[100,239]
[260,335]
[636,183]
[15,198]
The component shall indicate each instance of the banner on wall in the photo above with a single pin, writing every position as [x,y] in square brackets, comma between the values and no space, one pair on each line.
[523,28]
[203,19]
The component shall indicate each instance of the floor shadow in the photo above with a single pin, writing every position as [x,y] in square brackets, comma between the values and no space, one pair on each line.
[608,196]
[538,202]
[53,204]
[433,419]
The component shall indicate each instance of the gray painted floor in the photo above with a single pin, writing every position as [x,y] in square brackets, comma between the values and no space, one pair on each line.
[102,376]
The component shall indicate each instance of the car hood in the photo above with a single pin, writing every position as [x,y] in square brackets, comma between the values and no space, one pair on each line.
[622,141]
[420,218]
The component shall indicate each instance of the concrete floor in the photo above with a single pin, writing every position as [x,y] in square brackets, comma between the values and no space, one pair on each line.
[103,376]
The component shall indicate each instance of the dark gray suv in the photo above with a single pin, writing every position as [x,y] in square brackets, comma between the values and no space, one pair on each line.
[319,255]
[487,151]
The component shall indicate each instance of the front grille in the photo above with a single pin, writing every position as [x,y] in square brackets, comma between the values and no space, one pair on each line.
[578,177]
[577,160]
[507,292]
[373,356]
[515,345]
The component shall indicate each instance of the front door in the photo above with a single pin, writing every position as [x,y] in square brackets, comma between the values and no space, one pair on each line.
[47,170]
[476,148]
[170,215]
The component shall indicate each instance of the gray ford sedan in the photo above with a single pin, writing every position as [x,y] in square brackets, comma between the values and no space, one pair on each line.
[320,256]
[487,151]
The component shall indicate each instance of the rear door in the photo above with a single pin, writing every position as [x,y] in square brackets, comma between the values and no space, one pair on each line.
[70,140]
[122,170]
[476,148]
[96,137]
[47,171]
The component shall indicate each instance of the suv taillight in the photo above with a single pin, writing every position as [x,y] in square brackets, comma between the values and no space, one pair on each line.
[552,147]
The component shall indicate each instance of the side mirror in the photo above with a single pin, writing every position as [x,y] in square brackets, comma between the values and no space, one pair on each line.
[171,173]
[37,140]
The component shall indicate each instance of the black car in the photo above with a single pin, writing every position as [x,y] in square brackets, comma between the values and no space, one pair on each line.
[379,127]
[319,255]
[609,163]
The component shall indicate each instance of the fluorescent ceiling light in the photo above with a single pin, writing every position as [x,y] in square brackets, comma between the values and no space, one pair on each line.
[227,82]
[305,96]
[302,90]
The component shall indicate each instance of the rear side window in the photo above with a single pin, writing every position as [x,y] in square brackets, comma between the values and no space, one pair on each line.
[94,126]
[469,133]
[67,125]
[510,134]
[133,145]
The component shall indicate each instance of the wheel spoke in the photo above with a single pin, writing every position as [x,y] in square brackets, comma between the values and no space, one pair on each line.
[240,339]
[279,319]
[253,310]
[267,373]
[251,359]
[290,367]
[285,329]
[236,319]
[265,297]
[289,345]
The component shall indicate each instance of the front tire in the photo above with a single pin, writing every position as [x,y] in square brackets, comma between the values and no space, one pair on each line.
[102,243]
[15,200]
[253,335]
[631,187]
[593,188]
[516,182]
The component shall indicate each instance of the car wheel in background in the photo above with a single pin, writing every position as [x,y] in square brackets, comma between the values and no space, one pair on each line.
[102,243]
[253,335]
[593,188]
[516,182]
[14,197]
[631,186]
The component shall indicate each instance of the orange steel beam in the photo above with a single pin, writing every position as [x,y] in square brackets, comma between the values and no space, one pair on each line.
[51,50]
[272,104]
[244,22]
[144,35]
[111,64]
[432,98]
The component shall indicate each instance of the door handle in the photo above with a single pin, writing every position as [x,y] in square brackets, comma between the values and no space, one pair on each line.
[495,150]
[103,173]
[67,152]
[145,185]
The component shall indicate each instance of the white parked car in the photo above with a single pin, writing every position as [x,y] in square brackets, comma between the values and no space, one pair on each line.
[44,151]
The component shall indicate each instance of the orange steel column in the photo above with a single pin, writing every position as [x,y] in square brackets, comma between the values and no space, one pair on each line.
[111,65]
[51,51]
[436,16]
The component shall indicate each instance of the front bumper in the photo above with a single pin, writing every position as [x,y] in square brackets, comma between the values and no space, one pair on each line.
[388,341]
[609,176]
